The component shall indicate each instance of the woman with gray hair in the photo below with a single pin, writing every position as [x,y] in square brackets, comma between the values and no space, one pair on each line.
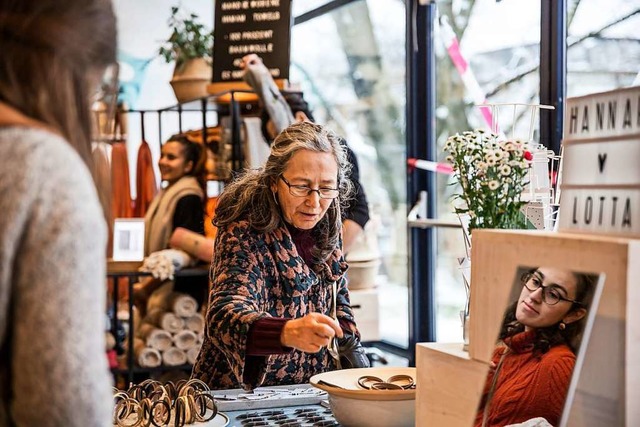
[279,297]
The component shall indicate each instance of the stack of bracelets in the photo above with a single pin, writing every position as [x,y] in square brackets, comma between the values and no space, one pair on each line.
[152,403]
[396,382]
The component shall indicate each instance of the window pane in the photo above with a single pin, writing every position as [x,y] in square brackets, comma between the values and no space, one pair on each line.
[499,45]
[604,45]
[350,65]
[299,7]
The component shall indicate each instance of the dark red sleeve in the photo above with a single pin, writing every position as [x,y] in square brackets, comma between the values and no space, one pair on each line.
[264,337]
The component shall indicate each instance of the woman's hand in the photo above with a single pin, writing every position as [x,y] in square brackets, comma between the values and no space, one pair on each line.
[310,333]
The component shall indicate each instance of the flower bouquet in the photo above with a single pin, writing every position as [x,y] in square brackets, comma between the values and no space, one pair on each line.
[492,174]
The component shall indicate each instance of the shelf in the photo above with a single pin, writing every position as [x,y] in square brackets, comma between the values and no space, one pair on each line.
[130,268]
[141,370]
[124,268]
[433,223]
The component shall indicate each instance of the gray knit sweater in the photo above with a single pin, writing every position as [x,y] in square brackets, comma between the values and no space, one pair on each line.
[53,369]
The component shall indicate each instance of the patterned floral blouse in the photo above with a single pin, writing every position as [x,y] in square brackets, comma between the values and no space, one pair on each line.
[255,275]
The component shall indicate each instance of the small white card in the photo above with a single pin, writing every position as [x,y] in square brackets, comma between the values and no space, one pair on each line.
[128,239]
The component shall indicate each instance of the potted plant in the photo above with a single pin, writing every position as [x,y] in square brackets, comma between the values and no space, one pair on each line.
[190,47]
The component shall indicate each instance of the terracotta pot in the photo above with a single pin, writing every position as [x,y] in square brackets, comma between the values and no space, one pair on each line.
[190,80]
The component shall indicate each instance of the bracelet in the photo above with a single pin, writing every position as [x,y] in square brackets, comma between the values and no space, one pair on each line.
[395,382]
[405,381]
[152,403]
[366,381]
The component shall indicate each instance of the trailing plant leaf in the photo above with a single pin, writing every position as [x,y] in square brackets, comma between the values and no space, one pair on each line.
[189,39]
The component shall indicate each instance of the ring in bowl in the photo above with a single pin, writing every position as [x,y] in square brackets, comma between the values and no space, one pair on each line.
[366,381]
[385,386]
[404,381]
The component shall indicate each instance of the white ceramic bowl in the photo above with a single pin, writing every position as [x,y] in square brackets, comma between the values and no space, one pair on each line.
[353,406]
[362,274]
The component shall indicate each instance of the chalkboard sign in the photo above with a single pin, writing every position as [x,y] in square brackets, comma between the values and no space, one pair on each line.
[242,27]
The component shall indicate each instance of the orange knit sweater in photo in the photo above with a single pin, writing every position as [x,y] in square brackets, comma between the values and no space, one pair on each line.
[528,385]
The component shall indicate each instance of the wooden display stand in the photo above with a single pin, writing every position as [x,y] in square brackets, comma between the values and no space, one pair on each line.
[608,387]
[449,385]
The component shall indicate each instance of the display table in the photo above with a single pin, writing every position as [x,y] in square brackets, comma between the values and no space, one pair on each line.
[608,388]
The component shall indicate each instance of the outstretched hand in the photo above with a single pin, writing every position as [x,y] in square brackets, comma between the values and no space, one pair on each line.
[310,333]
[250,59]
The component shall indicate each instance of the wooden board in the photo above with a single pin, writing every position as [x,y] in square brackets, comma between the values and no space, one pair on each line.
[449,385]
[607,373]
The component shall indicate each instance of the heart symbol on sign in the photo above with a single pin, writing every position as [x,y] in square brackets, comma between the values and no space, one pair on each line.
[601,159]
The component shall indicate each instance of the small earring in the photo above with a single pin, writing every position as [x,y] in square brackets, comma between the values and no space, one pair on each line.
[562,325]
[275,197]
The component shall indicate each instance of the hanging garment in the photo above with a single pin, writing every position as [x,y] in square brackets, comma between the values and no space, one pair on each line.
[210,230]
[146,188]
[102,178]
[121,206]
[256,149]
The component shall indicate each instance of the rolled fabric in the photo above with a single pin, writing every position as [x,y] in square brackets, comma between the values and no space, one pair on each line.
[158,299]
[155,337]
[173,356]
[182,304]
[166,320]
[256,149]
[146,357]
[192,243]
[185,339]
[192,355]
[195,323]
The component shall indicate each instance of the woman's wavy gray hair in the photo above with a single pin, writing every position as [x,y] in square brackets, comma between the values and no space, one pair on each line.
[250,196]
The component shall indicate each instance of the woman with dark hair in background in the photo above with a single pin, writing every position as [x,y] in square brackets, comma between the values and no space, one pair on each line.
[53,234]
[278,295]
[179,204]
[539,337]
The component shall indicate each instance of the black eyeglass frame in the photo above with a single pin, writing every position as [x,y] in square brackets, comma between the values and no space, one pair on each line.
[310,190]
[545,290]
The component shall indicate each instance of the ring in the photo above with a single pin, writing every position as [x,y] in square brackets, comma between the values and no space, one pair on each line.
[385,386]
[365,381]
[201,409]
[406,381]
[160,416]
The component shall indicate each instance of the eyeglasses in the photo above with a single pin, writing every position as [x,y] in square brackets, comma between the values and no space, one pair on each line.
[304,191]
[550,294]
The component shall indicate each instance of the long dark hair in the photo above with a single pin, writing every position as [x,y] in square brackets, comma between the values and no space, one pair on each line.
[552,335]
[196,153]
[52,52]
[250,197]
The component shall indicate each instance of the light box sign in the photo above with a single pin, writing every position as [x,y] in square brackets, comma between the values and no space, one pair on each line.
[600,189]
[603,115]
[242,27]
